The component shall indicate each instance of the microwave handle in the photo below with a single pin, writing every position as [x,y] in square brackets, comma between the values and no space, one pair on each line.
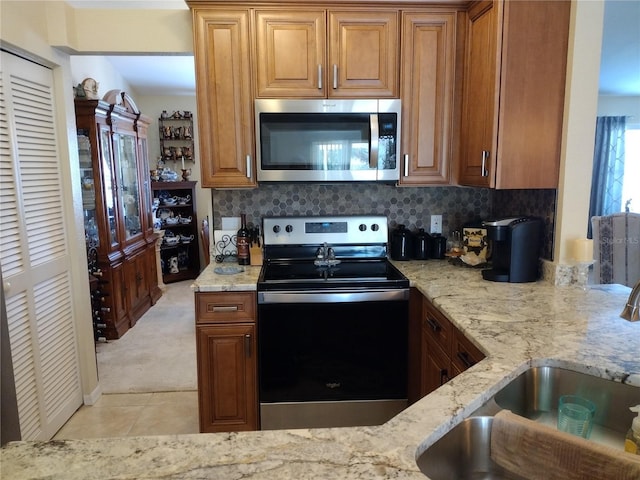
[375,135]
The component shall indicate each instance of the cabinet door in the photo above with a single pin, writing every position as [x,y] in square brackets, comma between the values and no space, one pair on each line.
[116,298]
[363,54]
[291,52]
[126,157]
[224,94]
[436,367]
[227,379]
[110,233]
[479,103]
[136,278]
[428,61]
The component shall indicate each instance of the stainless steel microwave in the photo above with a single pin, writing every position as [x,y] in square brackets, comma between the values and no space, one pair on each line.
[328,140]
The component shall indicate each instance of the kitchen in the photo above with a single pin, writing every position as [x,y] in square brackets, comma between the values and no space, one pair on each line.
[570,202]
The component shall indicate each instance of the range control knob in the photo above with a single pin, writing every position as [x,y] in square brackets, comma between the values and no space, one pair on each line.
[276,228]
[375,227]
[288,228]
[362,227]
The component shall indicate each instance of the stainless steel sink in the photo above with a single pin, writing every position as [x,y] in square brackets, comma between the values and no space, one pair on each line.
[464,452]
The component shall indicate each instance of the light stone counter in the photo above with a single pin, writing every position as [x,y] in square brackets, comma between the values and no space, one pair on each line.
[210,281]
[516,325]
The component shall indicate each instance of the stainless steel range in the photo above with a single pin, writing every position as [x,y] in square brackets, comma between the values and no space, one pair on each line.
[332,323]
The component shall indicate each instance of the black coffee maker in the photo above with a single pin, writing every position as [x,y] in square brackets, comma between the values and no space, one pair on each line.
[515,249]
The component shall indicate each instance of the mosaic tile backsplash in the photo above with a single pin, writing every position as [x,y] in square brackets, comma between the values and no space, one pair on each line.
[411,206]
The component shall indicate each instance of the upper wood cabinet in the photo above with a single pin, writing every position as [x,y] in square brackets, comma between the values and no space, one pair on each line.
[513,96]
[224,97]
[320,53]
[427,93]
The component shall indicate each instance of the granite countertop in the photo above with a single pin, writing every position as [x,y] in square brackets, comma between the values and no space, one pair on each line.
[516,325]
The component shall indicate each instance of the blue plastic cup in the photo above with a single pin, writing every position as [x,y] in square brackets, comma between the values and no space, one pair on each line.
[575,415]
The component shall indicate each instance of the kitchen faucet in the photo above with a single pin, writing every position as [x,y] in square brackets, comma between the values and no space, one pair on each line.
[326,257]
[632,308]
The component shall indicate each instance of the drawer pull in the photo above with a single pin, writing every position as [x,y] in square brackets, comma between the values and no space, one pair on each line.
[444,376]
[464,358]
[225,308]
[435,326]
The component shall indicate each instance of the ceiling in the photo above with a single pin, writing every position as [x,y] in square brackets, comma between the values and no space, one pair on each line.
[174,75]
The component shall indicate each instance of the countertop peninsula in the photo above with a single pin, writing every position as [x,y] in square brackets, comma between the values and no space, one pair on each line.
[515,325]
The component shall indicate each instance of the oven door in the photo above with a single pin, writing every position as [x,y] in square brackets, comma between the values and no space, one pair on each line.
[332,359]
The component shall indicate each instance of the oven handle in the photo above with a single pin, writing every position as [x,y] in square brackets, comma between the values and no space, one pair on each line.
[324,296]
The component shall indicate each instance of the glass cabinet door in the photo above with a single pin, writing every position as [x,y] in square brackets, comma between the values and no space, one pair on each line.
[146,186]
[88,189]
[109,191]
[129,190]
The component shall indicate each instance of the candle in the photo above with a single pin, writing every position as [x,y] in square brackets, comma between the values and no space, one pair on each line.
[183,163]
[582,250]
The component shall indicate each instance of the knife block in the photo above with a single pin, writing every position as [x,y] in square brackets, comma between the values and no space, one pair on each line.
[255,255]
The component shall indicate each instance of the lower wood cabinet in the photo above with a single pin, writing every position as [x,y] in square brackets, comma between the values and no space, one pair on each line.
[444,351]
[227,368]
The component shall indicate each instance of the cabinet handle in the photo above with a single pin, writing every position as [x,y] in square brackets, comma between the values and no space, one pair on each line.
[248,166]
[225,308]
[444,376]
[466,361]
[247,345]
[319,77]
[406,164]
[435,326]
[335,76]
[485,156]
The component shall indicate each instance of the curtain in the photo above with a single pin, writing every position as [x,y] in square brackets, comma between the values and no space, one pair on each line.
[608,168]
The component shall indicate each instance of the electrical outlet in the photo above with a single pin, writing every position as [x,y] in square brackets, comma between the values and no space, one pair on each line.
[436,223]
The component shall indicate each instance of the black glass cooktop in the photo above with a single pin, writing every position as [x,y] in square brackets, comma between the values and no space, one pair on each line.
[306,275]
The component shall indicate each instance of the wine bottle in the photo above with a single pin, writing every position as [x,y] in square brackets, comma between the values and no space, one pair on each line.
[242,241]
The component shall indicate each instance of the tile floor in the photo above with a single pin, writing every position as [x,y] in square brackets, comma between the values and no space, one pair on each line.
[132,414]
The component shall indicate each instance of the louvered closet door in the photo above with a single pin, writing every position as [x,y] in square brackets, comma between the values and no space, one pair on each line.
[34,252]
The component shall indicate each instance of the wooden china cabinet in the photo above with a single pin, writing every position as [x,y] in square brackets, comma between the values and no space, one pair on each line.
[116,197]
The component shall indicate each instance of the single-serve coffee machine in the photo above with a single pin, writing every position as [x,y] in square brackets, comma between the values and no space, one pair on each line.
[515,247]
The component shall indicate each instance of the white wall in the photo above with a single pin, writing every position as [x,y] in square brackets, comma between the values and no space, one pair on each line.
[100,69]
[581,97]
[618,105]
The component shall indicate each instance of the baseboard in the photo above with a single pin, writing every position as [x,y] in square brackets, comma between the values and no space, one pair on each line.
[94,396]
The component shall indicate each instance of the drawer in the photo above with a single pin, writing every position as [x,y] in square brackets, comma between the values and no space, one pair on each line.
[438,327]
[225,307]
[465,354]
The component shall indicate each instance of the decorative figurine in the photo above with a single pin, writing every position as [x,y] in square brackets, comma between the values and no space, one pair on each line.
[90,87]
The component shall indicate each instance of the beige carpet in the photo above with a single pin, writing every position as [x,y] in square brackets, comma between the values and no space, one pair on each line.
[159,353]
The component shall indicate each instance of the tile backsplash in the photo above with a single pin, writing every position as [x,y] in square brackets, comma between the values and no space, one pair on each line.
[411,206]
